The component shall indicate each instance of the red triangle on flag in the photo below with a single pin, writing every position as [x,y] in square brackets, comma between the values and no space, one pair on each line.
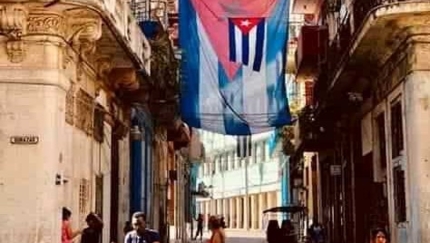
[246,24]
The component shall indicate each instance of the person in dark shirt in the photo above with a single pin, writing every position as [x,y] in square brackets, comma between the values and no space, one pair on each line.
[223,224]
[92,233]
[141,234]
[199,227]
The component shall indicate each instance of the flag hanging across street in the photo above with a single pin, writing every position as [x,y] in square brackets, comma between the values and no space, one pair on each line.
[233,59]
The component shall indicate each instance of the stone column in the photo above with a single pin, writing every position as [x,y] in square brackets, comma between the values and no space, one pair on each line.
[239,213]
[254,211]
[232,212]
[217,207]
[246,212]
[269,200]
[225,210]
[417,139]
[261,208]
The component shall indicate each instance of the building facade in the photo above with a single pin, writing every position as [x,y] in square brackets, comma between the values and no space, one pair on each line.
[224,173]
[64,138]
[367,119]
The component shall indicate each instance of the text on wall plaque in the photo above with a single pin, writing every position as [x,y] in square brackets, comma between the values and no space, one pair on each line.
[24,140]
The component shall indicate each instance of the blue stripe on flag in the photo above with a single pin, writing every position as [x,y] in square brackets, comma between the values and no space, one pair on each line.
[259,46]
[232,40]
[232,95]
[282,114]
[277,32]
[189,104]
[245,49]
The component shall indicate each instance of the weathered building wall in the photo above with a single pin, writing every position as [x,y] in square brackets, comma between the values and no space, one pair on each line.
[404,78]
[51,78]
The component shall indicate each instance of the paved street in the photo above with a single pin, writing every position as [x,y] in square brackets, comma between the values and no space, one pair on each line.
[240,236]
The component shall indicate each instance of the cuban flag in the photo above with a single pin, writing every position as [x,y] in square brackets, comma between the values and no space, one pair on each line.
[246,40]
[233,59]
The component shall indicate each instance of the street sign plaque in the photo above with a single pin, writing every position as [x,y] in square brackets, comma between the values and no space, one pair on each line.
[24,140]
[335,170]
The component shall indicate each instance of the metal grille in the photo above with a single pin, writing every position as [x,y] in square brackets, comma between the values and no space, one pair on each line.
[140,9]
[83,198]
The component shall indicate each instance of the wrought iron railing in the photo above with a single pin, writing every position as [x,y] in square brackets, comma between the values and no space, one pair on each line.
[341,43]
[150,10]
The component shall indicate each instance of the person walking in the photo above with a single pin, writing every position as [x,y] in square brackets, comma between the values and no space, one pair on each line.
[199,227]
[273,234]
[223,224]
[140,233]
[316,232]
[92,233]
[218,235]
[67,234]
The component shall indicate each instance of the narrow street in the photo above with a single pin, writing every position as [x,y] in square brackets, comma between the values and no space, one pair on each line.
[306,118]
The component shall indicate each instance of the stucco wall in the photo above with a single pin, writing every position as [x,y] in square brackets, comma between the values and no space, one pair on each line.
[27,172]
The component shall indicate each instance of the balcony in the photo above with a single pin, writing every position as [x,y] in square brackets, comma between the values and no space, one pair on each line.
[359,51]
[119,19]
[312,134]
[310,8]
[311,49]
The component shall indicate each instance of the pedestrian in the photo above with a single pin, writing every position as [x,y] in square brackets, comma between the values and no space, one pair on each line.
[218,235]
[379,235]
[273,232]
[316,232]
[140,233]
[199,227]
[92,233]
[127,227]
[67,234]
[223,224]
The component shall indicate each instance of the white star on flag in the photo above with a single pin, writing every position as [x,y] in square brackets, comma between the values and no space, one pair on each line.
[245,23]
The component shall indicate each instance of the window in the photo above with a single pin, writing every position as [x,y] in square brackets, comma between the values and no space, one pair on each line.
[380,127]
[231,160]
[236,160]
[399,194]
[98,122]
[259,154]
[263,151]
[84,106]
[220,163]
[254,153]
[396,129]
[224,164]
[99,195]
[309,89]
[84,187]
[211,166]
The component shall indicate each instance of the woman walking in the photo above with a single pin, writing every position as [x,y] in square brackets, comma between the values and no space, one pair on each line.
[218,235]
